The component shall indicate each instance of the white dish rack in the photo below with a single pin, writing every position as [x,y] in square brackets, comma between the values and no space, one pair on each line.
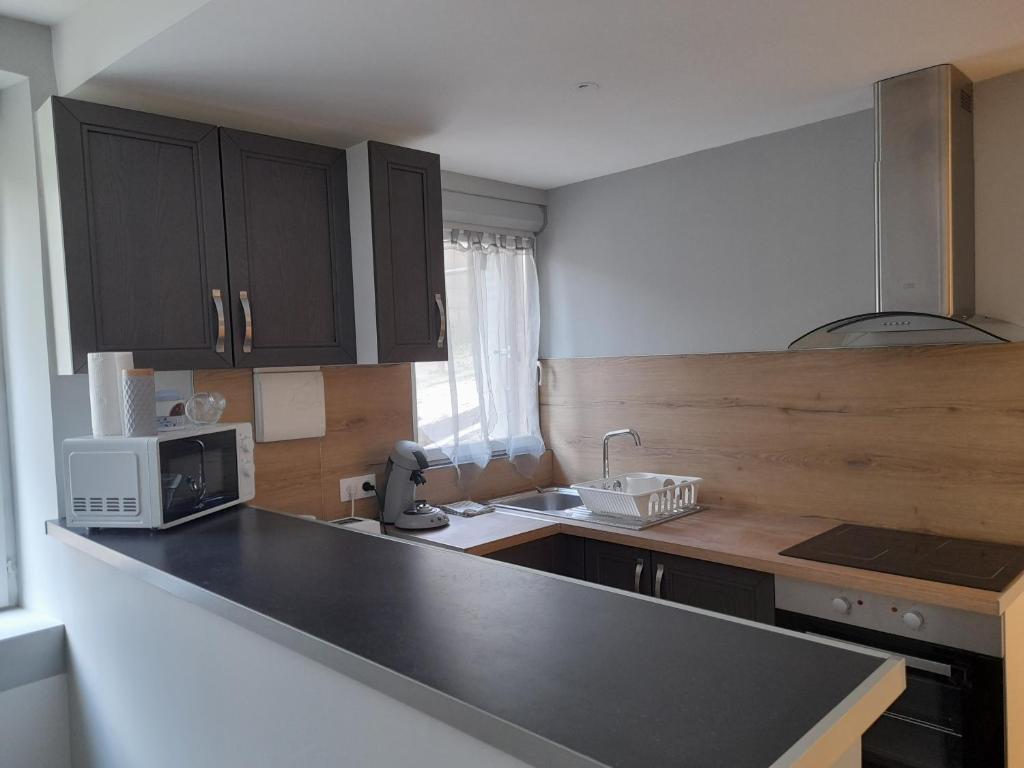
[640,496]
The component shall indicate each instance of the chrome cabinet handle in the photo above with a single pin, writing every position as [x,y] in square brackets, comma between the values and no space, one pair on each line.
[243,296]
[636,574]
[218,302]
[659,574]
[444,323]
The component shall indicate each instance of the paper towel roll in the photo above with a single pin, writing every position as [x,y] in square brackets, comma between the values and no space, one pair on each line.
[105,390]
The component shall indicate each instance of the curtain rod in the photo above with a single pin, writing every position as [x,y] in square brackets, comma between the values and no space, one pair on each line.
[488,230]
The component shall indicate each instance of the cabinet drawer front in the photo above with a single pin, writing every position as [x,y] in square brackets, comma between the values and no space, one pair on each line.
[143,234]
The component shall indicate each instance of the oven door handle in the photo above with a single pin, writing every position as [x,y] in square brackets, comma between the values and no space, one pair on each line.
[914,662]
[922,724]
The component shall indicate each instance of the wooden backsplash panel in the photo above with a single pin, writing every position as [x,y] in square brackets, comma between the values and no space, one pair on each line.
[928,438]
[368,408]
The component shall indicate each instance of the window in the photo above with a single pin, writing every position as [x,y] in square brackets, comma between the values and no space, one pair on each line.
[483,399]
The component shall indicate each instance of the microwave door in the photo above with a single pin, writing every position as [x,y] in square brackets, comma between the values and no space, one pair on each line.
[198,473]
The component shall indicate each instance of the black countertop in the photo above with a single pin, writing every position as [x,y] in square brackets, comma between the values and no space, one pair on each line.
[553,671]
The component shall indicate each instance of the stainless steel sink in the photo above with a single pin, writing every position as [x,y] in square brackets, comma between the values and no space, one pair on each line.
[565,502]
[549,500]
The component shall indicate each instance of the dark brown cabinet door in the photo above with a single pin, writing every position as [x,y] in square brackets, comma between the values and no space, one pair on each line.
[615,565]
[715,587]
[408,254]
[286,211]
[561,554]
[143,230]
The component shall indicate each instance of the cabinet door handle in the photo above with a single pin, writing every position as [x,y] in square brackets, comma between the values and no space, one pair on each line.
[444,322]
[659,574]
[243,296]
[218,302]
[636,574]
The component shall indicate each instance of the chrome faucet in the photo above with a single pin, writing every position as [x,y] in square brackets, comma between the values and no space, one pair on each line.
[615,433]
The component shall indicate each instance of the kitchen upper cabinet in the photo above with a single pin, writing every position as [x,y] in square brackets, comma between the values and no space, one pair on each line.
[286,214]
[398,254]
[135,228]
[715,587]
[199,247]
[615,565]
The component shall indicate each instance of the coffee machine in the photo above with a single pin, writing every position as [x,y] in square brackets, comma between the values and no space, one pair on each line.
[398,504]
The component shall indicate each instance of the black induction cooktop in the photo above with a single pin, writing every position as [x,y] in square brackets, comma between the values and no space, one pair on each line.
[967,563]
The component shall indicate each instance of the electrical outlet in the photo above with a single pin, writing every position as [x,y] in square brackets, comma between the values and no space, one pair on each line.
[354,486]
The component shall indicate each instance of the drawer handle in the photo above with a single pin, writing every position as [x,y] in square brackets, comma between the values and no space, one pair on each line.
[636,574]
[659,574]
[243,296]
[218,302]
[444,322]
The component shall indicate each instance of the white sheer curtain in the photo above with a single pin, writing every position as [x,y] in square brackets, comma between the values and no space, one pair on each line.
[484,398]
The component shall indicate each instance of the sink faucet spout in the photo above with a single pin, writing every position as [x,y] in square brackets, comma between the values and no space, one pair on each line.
[616,433]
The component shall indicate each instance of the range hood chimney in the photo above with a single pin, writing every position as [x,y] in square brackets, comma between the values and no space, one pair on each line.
[924,220]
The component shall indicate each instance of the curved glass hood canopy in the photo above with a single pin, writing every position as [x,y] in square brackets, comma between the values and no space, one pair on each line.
[892,329]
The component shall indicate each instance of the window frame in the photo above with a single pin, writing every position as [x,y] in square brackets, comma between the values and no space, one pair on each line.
[8,561]
[435,456]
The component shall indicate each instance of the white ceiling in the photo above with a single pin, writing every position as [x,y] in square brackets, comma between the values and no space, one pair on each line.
[40,11]
[490,85]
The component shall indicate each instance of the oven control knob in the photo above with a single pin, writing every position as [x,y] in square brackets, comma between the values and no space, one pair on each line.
[841,605]
[913,620]
[247,444]
[247,469]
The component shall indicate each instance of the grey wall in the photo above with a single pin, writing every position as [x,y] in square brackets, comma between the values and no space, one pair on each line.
[25,49]
[742,247]
[33,716]
[999,195]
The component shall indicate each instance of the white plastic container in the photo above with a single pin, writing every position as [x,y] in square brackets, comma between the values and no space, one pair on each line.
[640,495]
[138,388]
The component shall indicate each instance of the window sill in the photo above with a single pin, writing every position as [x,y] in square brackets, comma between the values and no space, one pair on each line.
[444,461]
[31,648]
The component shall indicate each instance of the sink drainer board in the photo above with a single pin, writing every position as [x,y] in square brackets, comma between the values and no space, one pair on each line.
[640,496]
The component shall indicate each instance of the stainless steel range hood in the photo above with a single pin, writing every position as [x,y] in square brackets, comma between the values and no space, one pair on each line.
[924,221]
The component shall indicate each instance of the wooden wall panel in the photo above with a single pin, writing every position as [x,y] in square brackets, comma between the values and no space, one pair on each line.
[928,438]
[368,409]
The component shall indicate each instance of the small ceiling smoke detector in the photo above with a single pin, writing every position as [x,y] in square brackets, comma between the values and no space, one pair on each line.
[587,85]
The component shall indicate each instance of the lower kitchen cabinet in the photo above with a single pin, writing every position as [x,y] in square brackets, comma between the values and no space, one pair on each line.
[715,587]
[559,554]
[615,565]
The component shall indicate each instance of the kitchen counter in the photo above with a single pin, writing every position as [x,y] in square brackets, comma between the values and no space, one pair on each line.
[550,670]
[742,538]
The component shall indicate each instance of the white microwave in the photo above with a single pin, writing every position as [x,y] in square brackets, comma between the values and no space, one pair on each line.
[157,482]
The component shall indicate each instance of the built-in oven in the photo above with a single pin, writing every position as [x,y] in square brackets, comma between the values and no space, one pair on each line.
[952,713]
